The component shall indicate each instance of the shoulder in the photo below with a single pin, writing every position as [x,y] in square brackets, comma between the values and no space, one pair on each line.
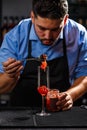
[75,32]
[75,26]
[21,30]
[25,23]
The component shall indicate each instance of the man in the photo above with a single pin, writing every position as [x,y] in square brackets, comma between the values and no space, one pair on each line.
[49,31]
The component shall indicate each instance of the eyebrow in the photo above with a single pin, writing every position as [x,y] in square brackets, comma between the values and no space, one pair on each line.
[48,28]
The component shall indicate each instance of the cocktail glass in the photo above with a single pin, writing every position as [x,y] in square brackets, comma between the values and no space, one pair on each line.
[43,87]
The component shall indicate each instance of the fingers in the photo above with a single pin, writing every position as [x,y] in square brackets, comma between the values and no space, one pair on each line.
[12,67]
[65,102]
[62,98]
[67,106]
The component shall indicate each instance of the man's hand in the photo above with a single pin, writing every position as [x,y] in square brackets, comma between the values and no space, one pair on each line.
[65,101]
[12,67]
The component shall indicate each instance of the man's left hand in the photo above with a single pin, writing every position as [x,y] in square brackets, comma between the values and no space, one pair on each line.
[65,101]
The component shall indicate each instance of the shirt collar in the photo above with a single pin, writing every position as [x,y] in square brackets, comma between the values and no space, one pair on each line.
[33,35]
[61,35]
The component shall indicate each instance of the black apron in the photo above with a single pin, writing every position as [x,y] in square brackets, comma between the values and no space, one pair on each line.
[25,93]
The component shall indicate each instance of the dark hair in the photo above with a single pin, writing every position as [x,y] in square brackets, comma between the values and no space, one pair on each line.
[52,9]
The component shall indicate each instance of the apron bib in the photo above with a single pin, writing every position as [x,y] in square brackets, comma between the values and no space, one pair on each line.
[25,93]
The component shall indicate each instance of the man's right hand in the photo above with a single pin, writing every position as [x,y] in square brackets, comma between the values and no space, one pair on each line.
[12,67]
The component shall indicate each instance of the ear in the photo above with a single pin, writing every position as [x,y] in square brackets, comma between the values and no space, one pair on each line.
[65,18]
[32,16]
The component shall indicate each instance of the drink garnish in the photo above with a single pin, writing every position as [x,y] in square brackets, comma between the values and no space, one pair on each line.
[43,58]
[43,90]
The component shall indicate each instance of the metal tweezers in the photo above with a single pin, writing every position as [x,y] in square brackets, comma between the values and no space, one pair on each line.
[31,59]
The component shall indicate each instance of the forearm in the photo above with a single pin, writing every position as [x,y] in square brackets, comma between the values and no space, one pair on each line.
[7,83]
[79,88]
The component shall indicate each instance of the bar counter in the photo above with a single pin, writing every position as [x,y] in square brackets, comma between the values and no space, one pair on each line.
[24,117]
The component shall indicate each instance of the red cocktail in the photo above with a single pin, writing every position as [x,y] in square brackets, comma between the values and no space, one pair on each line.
[52,98]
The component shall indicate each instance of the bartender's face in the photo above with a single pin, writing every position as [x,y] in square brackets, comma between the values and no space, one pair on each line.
[48,30]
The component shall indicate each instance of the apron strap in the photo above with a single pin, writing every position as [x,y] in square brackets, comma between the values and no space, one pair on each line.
[29,49]
[64,44]
[29,44]
[65,52]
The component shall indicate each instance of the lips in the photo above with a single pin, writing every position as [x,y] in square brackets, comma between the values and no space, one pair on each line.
[48,42]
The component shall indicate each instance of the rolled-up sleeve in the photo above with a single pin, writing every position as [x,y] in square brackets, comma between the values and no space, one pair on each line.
[81,67]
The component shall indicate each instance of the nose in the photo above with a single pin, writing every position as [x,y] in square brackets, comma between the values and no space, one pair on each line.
[48,34]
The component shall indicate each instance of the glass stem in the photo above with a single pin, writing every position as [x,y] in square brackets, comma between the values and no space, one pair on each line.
[43,105]
[39,76]
[47,77]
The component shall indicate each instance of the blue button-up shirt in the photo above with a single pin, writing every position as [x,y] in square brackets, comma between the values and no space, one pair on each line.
[15,44]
